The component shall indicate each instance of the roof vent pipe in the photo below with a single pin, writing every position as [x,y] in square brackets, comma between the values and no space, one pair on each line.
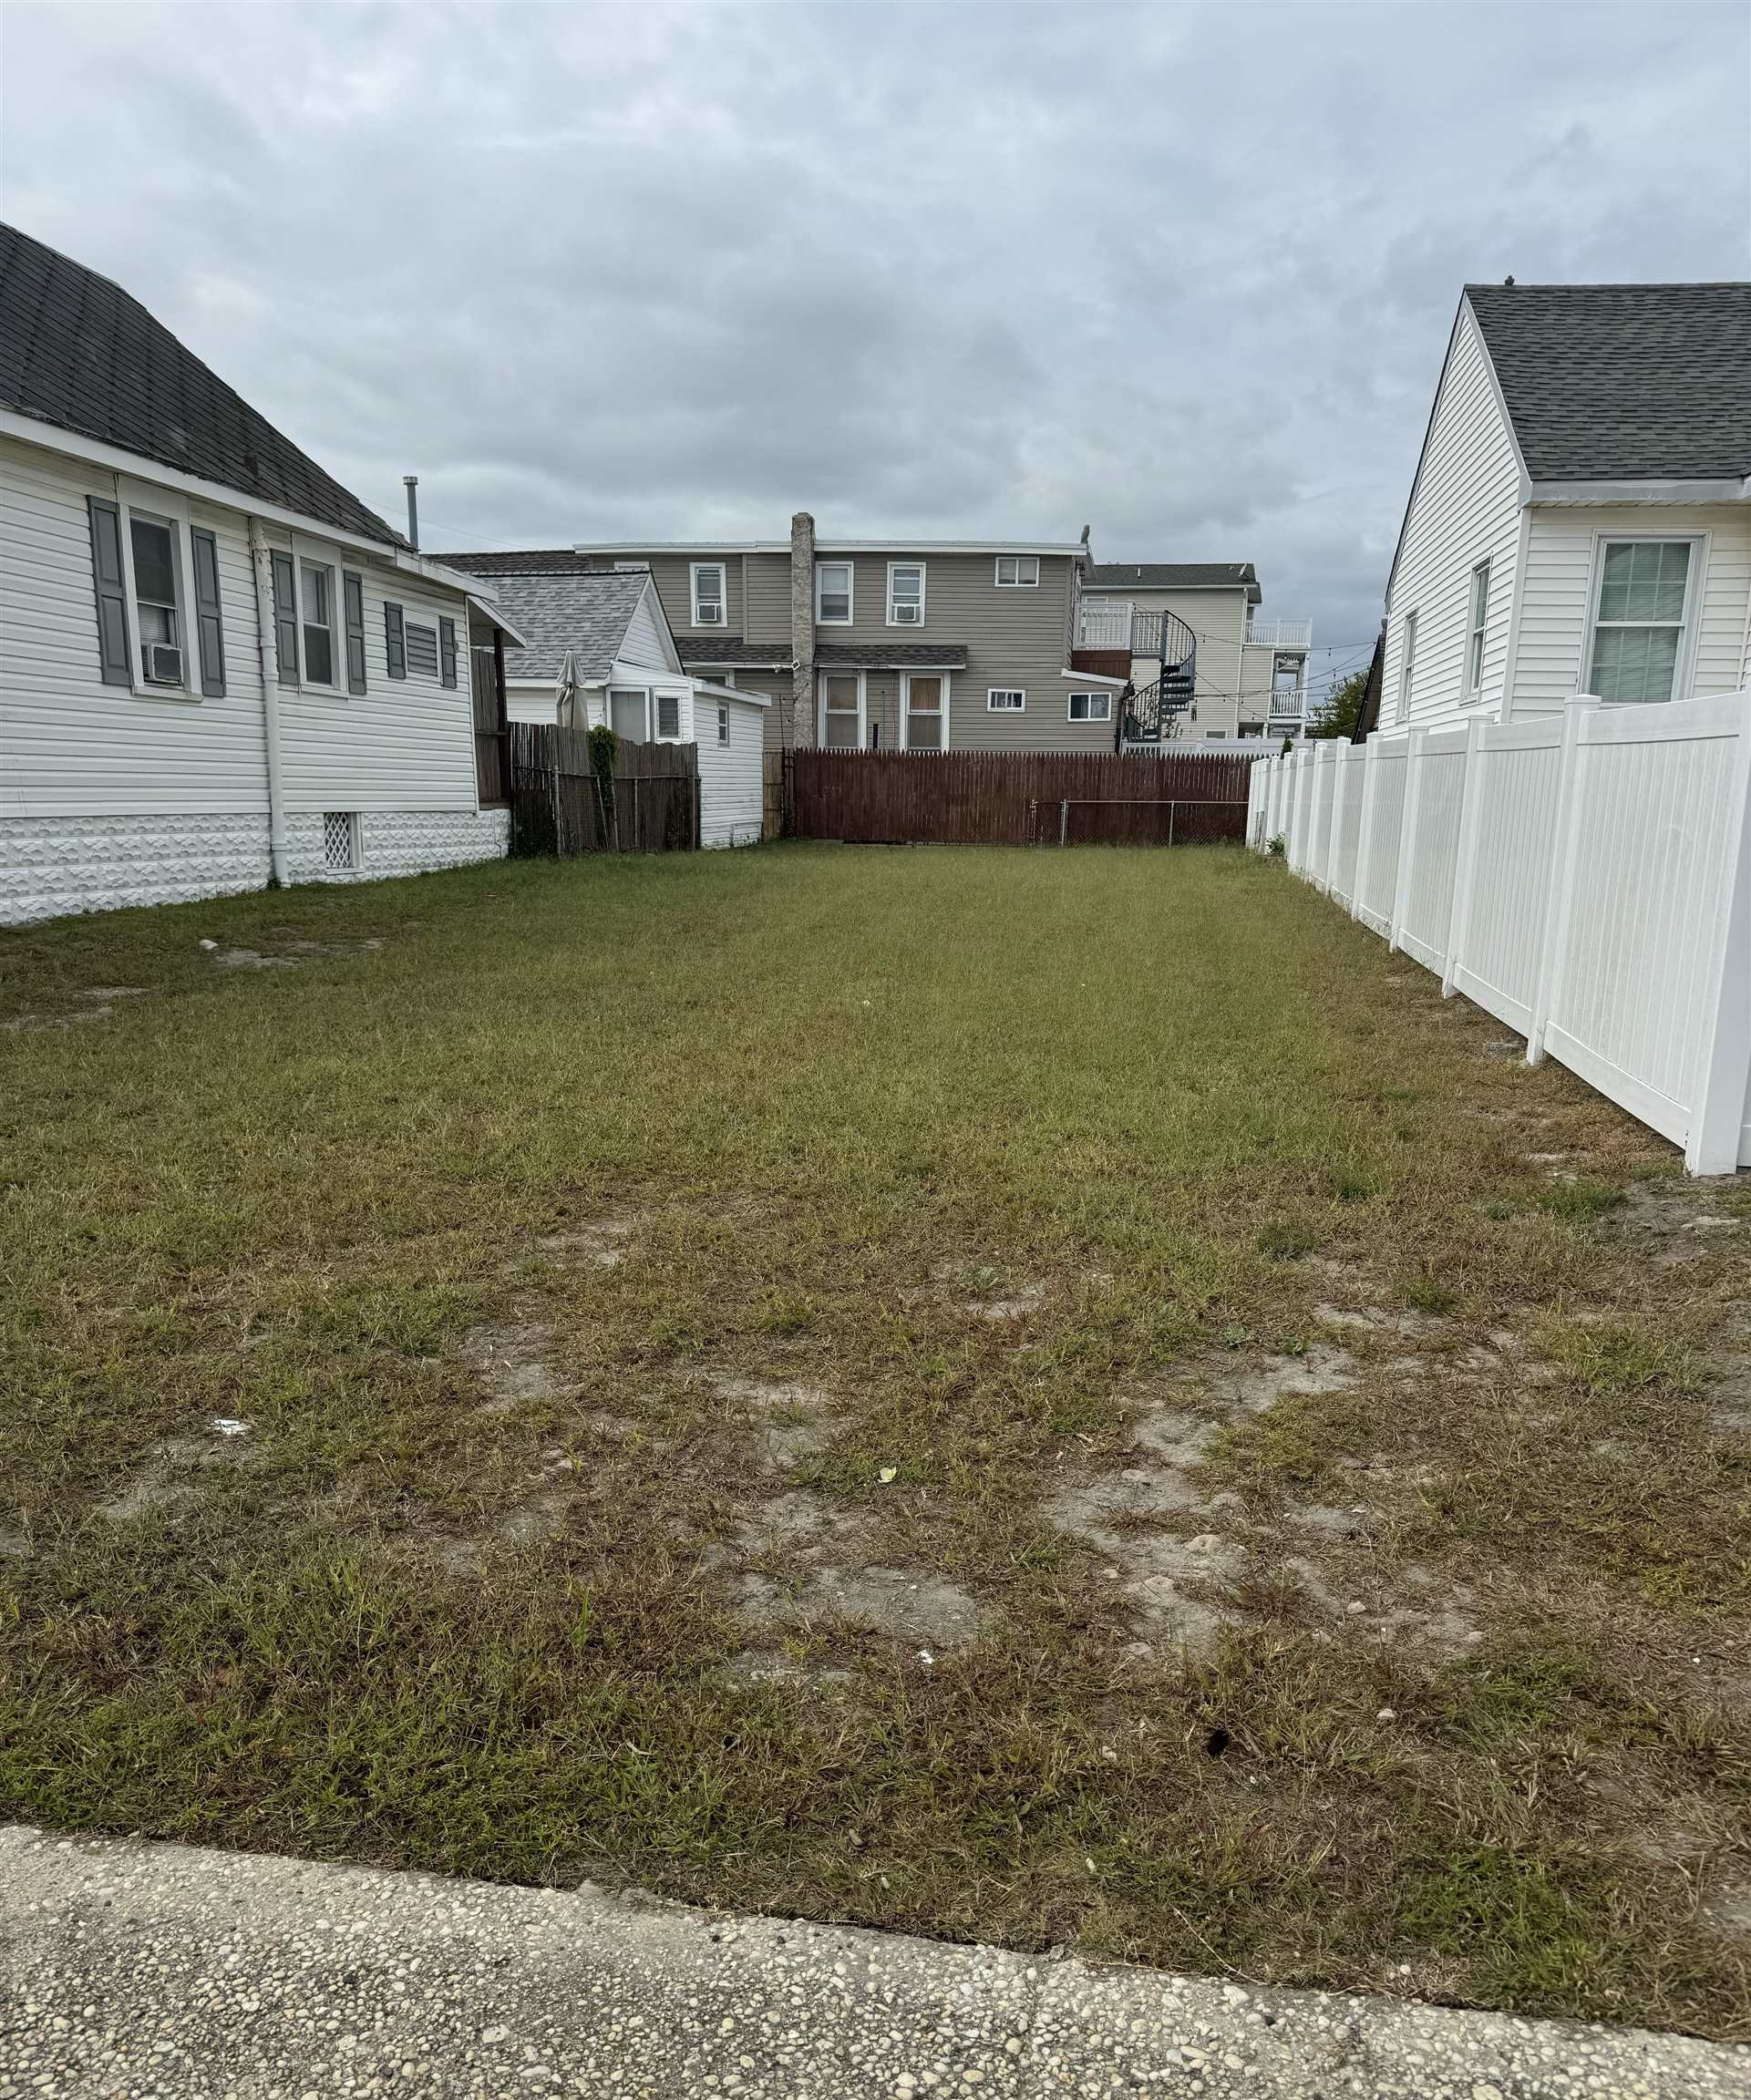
[410,482]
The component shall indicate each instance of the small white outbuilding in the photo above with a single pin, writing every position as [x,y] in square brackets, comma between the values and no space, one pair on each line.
[597,647]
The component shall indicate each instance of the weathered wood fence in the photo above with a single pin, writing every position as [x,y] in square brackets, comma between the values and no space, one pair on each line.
[1019,797]
[491,743]
[559,806]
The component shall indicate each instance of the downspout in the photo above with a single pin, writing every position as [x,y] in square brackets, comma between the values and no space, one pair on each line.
[278,861]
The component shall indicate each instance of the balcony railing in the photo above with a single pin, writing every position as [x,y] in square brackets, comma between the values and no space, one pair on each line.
[1119,627]
[1288,705]
[1281,633]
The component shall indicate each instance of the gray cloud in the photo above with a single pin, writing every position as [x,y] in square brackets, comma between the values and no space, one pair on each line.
[1184,274]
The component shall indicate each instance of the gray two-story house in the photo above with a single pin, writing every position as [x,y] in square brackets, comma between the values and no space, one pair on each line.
[905,645]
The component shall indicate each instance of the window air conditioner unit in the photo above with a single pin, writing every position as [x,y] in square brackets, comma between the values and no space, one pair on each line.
[163,663]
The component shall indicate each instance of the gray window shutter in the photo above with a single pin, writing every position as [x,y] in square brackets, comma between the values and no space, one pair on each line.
[447,652]
[395,640]
[353,591]
[285,619]
[209,624]
[112,593]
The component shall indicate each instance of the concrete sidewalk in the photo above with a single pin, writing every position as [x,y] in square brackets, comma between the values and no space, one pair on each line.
[141,1969]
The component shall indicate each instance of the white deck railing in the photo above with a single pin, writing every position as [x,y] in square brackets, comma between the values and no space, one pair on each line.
[1585,878]
[1281,633]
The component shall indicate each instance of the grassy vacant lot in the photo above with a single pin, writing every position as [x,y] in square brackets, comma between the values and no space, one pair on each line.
[1066,1399]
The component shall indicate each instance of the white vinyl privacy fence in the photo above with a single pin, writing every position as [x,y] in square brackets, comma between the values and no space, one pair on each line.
[1586,878]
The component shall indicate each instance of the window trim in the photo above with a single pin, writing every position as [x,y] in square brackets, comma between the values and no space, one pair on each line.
[943,682]
[335,681]
[863,677]
[1477,629]
[919,567]
[653,714]
[991,699]
[721,570]
[157,506]
[643,692]
[1106,699]
[1406,663]
[1018,582]
[850,593]
[1683,667]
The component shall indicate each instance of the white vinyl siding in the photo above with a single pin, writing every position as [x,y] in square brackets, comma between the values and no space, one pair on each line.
[1551,659]
[403,743]
[732,786]
[71,746]
[1465,510]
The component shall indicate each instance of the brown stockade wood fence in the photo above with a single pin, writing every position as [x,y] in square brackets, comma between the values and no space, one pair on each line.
[1019,797]
[558,806]
[491,745]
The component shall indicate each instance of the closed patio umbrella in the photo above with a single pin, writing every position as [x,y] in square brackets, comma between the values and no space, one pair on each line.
[566,693]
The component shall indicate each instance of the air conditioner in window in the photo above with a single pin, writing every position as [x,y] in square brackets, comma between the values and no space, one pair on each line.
[163,663]
[905,615]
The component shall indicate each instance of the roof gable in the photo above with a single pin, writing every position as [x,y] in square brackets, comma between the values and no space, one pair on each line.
[1623,382]
[586,612]
[78,352]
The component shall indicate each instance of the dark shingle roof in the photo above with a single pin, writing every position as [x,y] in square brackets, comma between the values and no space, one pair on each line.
[883,655]
[731,649]
[586,612]
[1624,381]
[78,352]
[533,561]
[1175,576]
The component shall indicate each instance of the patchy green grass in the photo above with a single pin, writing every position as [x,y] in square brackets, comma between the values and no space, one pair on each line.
[1058,1398]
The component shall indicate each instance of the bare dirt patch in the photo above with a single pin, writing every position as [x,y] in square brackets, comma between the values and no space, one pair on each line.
[511,1360]
[289,953]
[169,1471]
[791,1422]
[799,1563]
[600,1241]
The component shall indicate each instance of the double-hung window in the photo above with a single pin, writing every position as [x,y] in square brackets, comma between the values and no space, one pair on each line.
[905,593]
[1475,634]
[723,724]
[1018,571]
[157,606]
[709,594]
[1639,618]
[1407,665]
[833,593]
[316,609]
[841,710]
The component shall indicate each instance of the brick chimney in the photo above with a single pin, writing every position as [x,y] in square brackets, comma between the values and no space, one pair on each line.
[801,726]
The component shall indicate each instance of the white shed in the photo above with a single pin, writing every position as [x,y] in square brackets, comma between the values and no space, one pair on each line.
[597,647]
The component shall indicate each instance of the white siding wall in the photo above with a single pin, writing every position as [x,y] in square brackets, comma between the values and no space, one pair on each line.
[731,783]
[1551,661]
[403,743]
[71,746]
[109,795]
[642,642]
[1466,509]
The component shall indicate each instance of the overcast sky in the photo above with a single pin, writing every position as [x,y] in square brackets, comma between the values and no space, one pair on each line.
[1185,275]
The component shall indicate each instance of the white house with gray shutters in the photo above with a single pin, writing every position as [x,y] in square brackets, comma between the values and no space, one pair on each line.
[1580,518]
[597,647]
[217,666]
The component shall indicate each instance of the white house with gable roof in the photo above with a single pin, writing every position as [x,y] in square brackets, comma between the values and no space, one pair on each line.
[218,668]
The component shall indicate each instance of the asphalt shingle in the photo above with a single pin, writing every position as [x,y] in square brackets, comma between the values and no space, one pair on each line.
[587,612]
[1624,381]
[1173,576]
[78,352]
